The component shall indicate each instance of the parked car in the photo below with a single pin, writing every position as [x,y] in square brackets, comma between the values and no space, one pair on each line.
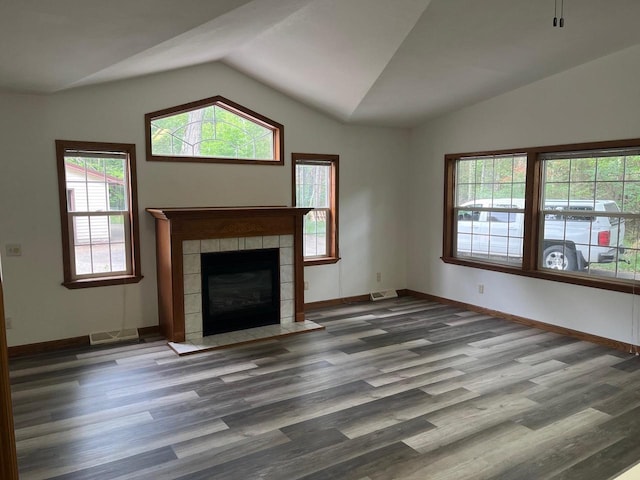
[572,237]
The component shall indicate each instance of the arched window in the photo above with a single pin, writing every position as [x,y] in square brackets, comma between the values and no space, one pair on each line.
[213,130]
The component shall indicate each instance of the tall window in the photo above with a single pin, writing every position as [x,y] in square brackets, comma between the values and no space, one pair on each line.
[490,207]
[214,130]
[98,206]
[591,200]
[315,180]
[568,213]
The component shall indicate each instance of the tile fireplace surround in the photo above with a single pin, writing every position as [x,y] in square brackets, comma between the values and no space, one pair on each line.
[182,234]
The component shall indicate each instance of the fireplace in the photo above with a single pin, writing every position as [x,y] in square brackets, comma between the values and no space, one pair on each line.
[184,236]
[240,290]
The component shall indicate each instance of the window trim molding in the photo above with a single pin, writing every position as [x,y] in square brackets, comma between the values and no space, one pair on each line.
[333,250]
[69,282]
[235,108]
[533,194]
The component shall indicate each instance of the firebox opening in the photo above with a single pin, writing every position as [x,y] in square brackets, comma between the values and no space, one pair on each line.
[240,290]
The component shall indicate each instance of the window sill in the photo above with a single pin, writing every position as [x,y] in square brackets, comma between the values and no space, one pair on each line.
[321,261]
[562,277]
[102,281]
[233,161]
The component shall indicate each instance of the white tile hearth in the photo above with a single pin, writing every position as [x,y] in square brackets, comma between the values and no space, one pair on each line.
[223,340]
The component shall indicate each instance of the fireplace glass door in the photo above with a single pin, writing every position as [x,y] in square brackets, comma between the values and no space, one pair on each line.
[240,290]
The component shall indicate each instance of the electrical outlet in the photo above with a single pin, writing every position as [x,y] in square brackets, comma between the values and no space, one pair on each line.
[306,285]
[14,250]
[9,323]
[480,288]
[379,277]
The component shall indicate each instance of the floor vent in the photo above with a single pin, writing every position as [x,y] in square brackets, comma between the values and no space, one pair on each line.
[112,337]
[384,294]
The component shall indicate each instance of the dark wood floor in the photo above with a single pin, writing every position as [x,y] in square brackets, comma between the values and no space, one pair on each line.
[397,389]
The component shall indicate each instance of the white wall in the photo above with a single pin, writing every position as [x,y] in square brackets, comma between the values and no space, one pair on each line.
[596,101]
[372,194]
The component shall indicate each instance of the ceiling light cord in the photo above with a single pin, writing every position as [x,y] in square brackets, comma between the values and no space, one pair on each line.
[555,14]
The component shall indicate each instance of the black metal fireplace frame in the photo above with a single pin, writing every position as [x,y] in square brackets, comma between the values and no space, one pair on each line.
[233,262]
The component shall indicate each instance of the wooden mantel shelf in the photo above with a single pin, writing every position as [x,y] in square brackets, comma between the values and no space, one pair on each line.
[175,225]
[175,213]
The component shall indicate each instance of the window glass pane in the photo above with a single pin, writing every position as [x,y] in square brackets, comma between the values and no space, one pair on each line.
[631,195]
[583,170]
[582,190]
[99,229]
[557,171]
[101,258]
[81,232]
[313,185]
[117,180]
[632,167]
[490,208]
[95,184]
[117,225]
[118,257]
[100,244]
[610,169]
[83,259]
[556,191]
[213,132]
[484,171]
[589,223]
[97,196]
[117,196]
[315,233]
[518,190]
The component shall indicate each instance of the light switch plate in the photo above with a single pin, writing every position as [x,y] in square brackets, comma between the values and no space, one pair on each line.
[13,250]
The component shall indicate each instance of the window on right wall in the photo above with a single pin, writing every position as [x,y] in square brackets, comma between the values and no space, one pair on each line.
[567,213]
[315,185]
[591,199]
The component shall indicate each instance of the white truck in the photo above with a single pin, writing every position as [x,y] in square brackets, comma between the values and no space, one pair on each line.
[572,240]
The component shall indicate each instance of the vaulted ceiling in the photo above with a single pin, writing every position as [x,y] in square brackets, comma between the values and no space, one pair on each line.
[374,62]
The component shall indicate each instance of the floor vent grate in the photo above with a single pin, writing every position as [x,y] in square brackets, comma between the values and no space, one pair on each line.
[375,296]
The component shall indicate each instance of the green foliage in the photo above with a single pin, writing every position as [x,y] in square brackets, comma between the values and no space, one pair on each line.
[312,185]
[211,132]
[491,177]
[606,178]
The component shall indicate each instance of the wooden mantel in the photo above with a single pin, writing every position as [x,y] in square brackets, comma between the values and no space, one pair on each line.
[174,225]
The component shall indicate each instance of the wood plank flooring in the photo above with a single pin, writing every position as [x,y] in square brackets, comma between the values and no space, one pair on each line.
[400,389]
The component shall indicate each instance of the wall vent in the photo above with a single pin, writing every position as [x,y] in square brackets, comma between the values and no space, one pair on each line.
[382,295]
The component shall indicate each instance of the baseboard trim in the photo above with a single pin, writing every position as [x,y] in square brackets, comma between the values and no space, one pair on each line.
[65,343]
[587,337]
[33,348]
[149,331]
[336,301]
[53,345]
[345,300]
